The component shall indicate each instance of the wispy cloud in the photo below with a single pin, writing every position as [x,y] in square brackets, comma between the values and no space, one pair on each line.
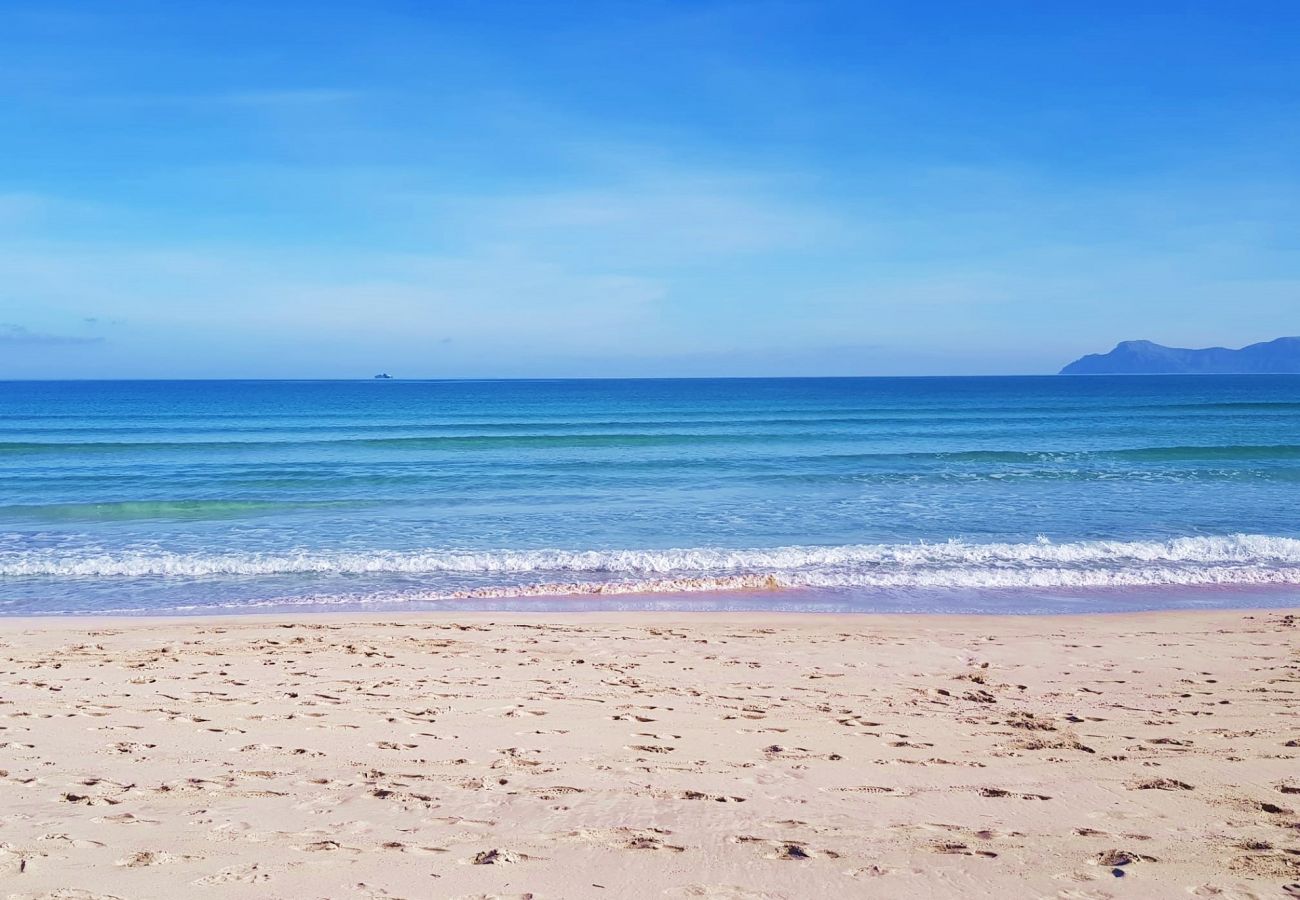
[11,335]
[288,97]
[733,187]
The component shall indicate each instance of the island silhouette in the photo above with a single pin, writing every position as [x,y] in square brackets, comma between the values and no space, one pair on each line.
[1276,357]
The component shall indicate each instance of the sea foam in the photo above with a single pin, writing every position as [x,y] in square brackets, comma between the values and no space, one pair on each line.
[1202,560]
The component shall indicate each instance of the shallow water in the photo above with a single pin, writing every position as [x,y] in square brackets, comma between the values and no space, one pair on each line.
[995,494]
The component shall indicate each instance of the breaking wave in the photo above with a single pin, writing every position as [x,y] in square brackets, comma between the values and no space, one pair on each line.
[1240,559]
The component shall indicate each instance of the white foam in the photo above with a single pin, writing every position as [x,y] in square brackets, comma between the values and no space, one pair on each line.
[754,585]
[1232,559]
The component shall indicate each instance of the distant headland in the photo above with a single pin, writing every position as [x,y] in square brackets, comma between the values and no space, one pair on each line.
[1278,357]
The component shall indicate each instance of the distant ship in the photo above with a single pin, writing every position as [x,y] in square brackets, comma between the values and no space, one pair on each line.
[384,376]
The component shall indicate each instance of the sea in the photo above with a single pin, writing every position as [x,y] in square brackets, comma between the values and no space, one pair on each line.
[961,495]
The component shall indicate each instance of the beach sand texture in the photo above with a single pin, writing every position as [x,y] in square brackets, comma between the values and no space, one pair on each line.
[635,755]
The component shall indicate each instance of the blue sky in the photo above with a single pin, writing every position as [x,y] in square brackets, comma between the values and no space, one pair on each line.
[646,188]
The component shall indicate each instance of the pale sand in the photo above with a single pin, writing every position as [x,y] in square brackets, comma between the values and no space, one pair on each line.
[631,755]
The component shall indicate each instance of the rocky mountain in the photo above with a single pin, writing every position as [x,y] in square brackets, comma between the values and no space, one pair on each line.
[1145,358]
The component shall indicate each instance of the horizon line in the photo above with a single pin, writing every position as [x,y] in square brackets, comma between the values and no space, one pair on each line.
[363,379]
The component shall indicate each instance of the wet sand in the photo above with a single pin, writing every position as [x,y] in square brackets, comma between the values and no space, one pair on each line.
[634,755]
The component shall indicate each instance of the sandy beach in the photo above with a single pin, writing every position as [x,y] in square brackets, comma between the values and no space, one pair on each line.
[629,755]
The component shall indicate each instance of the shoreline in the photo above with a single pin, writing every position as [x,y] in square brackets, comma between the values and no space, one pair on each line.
[590,611]
[783,602]
[616,617]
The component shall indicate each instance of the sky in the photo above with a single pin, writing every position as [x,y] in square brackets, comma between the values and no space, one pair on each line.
[577,189]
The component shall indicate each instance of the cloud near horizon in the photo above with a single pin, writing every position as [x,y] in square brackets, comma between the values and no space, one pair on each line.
[12,334]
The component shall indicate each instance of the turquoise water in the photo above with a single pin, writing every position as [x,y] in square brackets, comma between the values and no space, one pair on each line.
[1009,494]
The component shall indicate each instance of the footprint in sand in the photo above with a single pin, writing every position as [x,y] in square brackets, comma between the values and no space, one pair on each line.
[864,789]
[792,850]
[87,800]
[956,849]
[550,793]
[650,842]
[495,857]
[721,892]
[327,846]
[1160,784]
[75,843]
[999,792]
[65,894]
[1219,893]
[716,798]
[248,874]
[141,859]
[1116,857]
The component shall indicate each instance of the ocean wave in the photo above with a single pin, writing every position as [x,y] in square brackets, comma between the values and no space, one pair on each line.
[126,510]
[939,579]
[1230,559]
[765,589]
[660,440]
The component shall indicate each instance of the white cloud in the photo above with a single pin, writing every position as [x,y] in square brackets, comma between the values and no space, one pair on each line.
[19,335]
